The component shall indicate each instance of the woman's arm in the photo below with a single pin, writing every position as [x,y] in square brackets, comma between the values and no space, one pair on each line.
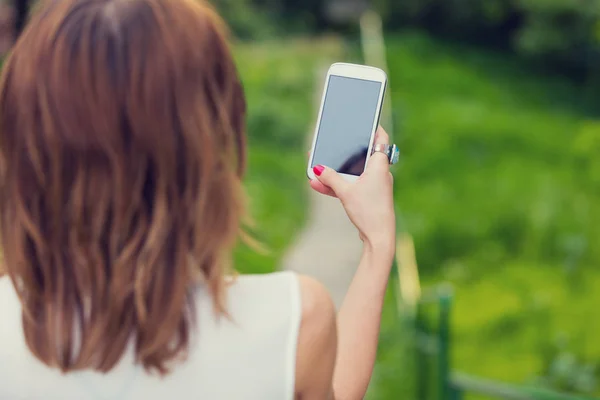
[355,337]
[317,341]
[358,324]
[370,206]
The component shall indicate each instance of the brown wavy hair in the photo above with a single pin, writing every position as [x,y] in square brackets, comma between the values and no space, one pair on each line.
[122,147]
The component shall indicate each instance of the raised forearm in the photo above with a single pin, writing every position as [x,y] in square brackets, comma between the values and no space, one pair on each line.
[359,322]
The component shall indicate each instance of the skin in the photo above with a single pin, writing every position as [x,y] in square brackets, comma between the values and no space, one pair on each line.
[336,353]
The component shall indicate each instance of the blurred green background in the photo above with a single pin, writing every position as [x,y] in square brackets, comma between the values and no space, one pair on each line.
[496,112]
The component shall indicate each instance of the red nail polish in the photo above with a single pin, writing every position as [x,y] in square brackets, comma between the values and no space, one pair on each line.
[318,170]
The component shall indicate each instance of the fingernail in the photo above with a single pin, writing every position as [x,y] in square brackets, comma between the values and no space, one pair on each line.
[318,170]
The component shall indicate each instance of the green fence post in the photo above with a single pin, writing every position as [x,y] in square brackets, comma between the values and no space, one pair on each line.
[444,345]
[455,393]
[421,364]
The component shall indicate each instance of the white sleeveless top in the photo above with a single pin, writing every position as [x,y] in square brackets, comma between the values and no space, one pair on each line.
[252,356]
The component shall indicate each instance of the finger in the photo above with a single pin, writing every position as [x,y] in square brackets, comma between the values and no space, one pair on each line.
[378,160]
[318,186]
[381,136]
[331,179]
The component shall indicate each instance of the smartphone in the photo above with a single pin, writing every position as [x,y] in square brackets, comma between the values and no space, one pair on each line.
[348,119]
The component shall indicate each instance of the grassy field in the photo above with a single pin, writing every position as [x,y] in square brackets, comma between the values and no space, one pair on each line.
[499,188]
[499,185]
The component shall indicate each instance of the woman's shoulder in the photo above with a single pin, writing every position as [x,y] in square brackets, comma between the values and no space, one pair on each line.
[313,300]
[313,297]
[272,299]
[308,307]
[317,305]
[263,279]
[262,286]
[299,297]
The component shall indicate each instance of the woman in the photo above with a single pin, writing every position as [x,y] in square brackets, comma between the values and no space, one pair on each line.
[122,148]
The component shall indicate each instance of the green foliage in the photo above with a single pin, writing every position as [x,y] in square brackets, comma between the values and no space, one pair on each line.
[261,19]
[563,33]
[245,19]
[502,139]
[499,185]
[278,81]
[567,373]
[559,34]
[499,188]
[559,29]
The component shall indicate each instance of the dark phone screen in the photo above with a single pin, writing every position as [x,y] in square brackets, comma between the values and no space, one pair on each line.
[349,112]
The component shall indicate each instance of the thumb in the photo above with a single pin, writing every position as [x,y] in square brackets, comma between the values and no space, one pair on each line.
[330,178]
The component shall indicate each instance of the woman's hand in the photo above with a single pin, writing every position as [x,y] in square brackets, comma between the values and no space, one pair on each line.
[368,201]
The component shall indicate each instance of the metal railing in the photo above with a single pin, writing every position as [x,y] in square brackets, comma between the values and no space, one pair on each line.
[432,340]
[459,384]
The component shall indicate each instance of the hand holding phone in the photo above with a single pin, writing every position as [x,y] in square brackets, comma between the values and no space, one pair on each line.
[348,118]
[340,162]
[368,201]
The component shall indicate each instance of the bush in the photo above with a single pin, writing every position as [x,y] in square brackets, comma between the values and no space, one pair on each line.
[558,32]
[499,185]
[245,19]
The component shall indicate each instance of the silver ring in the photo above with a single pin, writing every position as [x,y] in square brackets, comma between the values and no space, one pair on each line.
[391,151]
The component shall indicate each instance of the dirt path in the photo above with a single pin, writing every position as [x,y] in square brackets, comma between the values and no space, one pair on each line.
[328,248]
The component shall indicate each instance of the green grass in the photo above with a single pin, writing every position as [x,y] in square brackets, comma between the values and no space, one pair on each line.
[499,187]
[279,80]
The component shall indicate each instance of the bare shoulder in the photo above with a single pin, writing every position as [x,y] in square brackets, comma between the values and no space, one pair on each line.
[317,341]
[317,305]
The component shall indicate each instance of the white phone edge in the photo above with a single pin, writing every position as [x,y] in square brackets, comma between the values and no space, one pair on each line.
[350,71]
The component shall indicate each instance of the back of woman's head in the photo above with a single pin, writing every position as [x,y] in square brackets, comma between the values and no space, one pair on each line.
[121,151]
